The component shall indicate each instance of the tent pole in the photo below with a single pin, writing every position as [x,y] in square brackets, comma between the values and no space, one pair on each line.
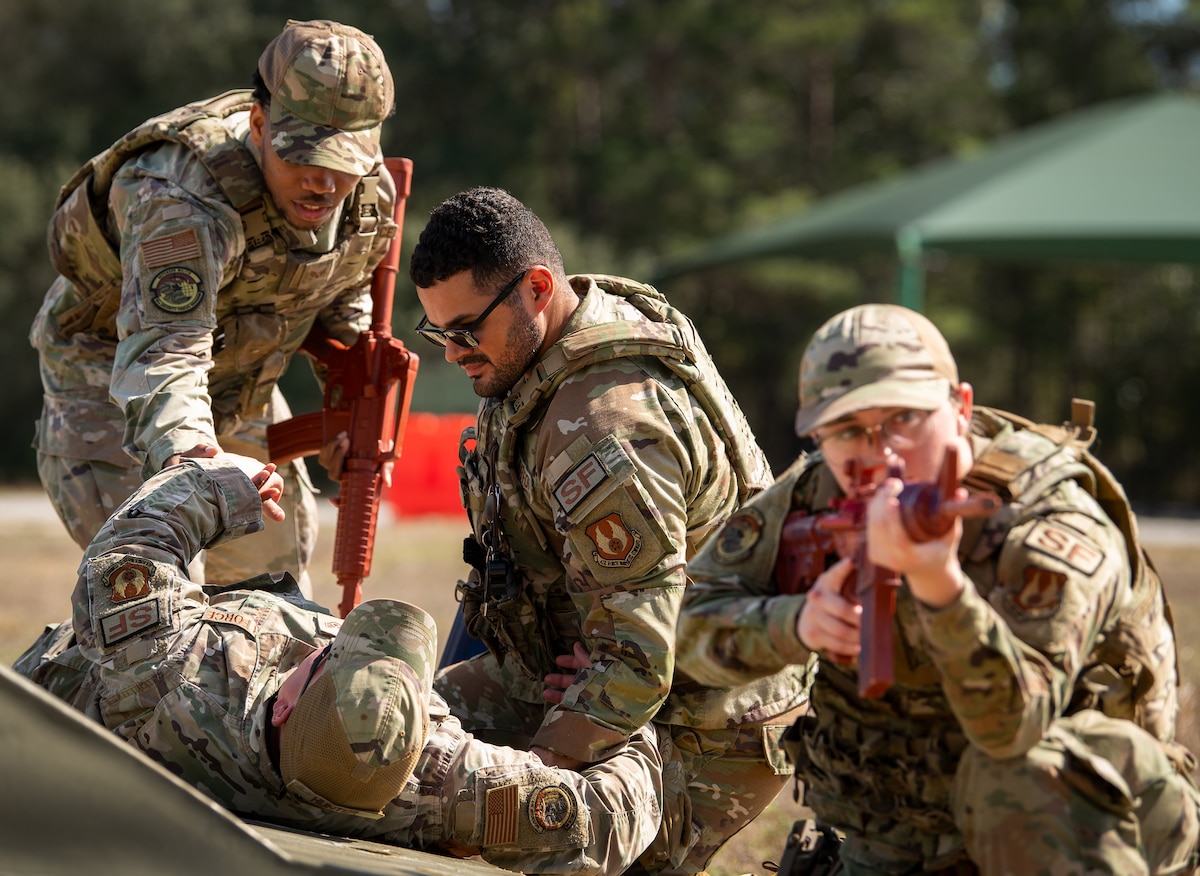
[910,291]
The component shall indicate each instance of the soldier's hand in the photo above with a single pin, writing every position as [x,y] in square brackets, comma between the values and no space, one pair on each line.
[558,682]
[199,451]
[265,477]
[333,457]
[270,489]
[931,568]
[829,622]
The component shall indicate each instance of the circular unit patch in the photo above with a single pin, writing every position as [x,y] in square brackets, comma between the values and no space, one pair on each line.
[738,536]
[551,808]
[177,290]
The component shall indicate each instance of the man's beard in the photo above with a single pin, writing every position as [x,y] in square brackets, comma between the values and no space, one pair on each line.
[522,345]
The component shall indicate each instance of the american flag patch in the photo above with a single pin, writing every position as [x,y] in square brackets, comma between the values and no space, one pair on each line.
[500,828]
[177,247]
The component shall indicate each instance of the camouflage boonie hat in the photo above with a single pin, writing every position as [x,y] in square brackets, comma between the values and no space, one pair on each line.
[354,737]
[873,356]
[330,92]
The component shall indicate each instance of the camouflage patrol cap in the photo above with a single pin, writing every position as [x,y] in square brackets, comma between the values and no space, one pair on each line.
[330,92]
[873,356]
[354,737]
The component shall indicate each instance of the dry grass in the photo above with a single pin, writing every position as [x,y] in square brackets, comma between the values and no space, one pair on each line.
[420,560]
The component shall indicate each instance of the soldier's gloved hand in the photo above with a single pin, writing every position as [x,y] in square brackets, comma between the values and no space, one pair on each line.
[333,457]
[558,682]
[829,622]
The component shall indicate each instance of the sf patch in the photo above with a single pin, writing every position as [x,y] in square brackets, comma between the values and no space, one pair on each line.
[616,545]
[128,622]
[177,290]
[588,474]
[130,580]
[552,808]
[738,536]
[1040,593]
[1066,545]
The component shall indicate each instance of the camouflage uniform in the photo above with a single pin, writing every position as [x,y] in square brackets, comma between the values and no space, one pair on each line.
[1011,731]
[588,486]
[189,679]
[183,295]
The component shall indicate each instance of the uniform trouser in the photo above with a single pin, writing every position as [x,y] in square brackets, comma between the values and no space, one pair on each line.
[728,777]
[85,492]
[1096,796]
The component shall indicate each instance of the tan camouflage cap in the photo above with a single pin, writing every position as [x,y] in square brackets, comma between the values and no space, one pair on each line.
[354,737]
[873,356]
[330,92]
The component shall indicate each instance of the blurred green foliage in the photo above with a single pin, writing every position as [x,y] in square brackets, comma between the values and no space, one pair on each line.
[638,129]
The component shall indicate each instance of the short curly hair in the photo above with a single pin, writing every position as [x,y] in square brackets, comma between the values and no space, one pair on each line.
[485,231]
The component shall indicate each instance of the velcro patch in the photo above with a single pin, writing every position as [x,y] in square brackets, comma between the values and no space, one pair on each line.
[1072,548]
[129,596]
[171,248]
[530,808]
[738,536]
[588,474]
[129,621]
[503,810]
[177,290]
[236,618]
[617,545]
[552,807]
[1041,594]
[130,580]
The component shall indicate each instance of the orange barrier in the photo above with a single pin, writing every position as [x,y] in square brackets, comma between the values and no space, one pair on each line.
[425,480]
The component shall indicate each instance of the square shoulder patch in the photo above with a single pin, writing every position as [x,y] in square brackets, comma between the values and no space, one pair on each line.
[620,540]
[177,276]
[595,471]
[130,598]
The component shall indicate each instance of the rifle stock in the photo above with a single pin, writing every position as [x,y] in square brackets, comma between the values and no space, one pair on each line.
[368,388]
[928,511]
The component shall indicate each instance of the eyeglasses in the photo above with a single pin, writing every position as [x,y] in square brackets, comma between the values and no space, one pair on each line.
[465,336]
[901,430]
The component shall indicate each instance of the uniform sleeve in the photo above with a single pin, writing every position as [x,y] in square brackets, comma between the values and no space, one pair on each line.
[133,588]
[630,469]
[531,818]
[177,251]
[179,512]
[1009,662]
[734,625]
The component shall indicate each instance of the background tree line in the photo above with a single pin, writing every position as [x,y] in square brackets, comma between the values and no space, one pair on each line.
[639,128]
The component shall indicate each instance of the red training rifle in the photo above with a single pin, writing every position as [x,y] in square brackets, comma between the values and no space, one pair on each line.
[928,511]
[368,387]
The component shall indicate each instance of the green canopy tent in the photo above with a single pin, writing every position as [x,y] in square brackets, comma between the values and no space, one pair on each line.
[1119,181]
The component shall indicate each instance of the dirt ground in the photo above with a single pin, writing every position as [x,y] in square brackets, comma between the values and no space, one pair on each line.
[419,561]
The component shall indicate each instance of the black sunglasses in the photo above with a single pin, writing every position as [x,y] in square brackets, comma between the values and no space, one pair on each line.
[465,336]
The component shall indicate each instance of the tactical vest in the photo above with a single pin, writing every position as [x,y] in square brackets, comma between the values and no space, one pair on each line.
[499,610]
[1131,674]
[82,252]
